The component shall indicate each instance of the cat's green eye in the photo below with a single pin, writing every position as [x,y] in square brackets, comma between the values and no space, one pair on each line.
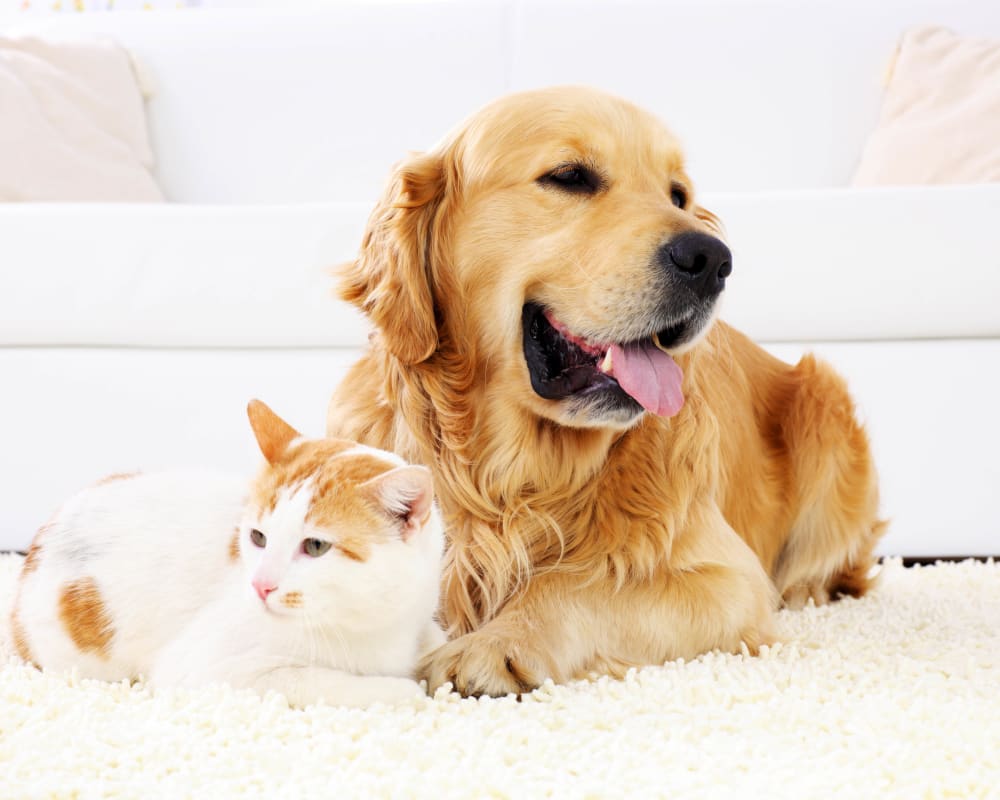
[315,547]
[258,538]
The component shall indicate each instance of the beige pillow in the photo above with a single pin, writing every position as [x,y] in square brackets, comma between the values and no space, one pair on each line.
[940,119]
[72,124]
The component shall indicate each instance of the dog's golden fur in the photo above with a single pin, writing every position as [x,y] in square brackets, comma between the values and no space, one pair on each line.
[579,543]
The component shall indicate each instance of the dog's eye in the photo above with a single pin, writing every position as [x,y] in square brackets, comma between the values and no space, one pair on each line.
[678,195]
[574,178]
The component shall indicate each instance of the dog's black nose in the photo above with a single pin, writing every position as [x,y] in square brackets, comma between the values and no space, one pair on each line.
[698,260]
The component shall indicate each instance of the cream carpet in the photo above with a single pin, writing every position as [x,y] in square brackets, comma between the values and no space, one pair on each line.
[896,695]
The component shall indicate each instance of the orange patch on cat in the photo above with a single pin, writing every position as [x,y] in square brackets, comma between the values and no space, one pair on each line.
[116,476]
[292,599]
[351,554]
[336,504]
[234,546]
[20,639]
[34,554]
[84,616]
[334,476]
[30,564]
[32,559]
[299,464]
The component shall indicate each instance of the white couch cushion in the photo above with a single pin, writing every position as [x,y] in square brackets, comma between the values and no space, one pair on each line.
[824,265]
[842,264]
[178,276]
[78,414]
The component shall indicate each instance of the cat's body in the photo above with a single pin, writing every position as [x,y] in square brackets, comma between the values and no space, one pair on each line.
[319,580]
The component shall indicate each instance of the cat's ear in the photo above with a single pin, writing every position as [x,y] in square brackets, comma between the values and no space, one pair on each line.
[272,432]
[406,494]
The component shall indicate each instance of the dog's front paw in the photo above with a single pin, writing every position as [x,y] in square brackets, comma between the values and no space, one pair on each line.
[484,663]
[798,595]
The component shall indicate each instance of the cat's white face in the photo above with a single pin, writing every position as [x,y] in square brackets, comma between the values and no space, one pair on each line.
[337,547]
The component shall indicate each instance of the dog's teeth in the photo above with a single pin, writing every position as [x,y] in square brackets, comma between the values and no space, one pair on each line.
[656,341]
[606,363]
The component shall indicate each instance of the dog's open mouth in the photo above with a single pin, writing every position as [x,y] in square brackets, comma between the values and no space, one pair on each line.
[564,365]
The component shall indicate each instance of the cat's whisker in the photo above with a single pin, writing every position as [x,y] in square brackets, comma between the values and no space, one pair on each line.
[320,641]
[332,640]
[308,637]
[319,638]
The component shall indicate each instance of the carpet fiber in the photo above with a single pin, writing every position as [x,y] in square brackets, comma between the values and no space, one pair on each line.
[895,695]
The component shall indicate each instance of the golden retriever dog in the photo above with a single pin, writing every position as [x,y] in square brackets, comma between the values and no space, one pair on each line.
[624,482]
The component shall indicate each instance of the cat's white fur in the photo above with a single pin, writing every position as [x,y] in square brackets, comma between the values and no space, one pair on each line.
[183,612]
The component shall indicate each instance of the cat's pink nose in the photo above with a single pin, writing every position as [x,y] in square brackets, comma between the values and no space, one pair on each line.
[264,587]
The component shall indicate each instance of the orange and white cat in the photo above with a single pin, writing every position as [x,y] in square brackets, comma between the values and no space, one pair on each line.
[320,580]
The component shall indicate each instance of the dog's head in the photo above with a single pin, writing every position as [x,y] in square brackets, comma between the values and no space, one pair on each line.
[553,238]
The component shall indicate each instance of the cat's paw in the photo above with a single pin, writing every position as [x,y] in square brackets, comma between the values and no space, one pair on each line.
[431,638]
[391,691]
[483,663]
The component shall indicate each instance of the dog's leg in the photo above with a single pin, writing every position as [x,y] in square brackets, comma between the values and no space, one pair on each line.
[713,594]
[829,548]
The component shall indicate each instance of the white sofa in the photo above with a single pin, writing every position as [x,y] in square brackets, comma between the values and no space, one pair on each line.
[132,336]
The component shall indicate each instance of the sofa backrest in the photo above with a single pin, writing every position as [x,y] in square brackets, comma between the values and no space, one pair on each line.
[269,106]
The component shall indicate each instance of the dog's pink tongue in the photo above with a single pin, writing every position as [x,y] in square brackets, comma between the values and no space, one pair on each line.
[650,376]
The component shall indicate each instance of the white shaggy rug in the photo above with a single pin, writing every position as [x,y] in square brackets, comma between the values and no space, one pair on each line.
[896,695]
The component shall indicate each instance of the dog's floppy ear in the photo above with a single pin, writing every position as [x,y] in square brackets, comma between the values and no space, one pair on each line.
[391,278]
